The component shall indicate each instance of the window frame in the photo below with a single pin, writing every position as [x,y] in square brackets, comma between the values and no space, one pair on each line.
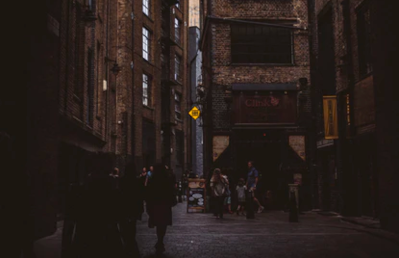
[147,82]
[178,28]
[146,7]
[272,33]
[178,105]
[90,86]
[178,67]
[146,38]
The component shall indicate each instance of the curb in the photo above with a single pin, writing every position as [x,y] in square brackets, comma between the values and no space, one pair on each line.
[368,225]
[372,231]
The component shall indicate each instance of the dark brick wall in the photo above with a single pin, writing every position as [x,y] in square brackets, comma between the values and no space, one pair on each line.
[219,73]
[384,45]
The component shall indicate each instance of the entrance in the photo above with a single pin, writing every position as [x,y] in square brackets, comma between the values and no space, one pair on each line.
[264,148]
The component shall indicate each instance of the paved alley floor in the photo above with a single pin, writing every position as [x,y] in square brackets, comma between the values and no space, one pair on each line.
[269,235]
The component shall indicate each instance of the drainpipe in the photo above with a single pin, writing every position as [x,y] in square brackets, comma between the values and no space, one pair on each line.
[313,85]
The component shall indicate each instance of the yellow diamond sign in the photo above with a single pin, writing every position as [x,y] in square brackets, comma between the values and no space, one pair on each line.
[194,113]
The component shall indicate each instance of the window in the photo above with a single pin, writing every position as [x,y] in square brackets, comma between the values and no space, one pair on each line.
[178,106]
[363,37]
[90,86]
[177,5]
[146,90]
[146,44]
[177,68]
[146,7]
[99,81]
[177,30]
[78,69]
[261,44]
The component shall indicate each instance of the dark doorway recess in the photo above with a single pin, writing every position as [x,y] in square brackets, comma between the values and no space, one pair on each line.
[264,148]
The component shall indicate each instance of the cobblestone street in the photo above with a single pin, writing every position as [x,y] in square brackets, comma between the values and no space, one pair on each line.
[268,235]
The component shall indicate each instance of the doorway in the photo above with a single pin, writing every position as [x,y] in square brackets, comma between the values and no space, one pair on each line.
[264,149]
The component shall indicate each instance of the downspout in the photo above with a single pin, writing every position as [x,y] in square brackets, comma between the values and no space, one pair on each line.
[67,64]
[132,133]
[313,85]
[349,169]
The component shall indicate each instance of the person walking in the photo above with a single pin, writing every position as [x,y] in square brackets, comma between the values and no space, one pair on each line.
[227,199]
[149,175]
[218,189]
[252,181]
[160,194]
[142,177]
[209,192]
[131,209]
[240,189]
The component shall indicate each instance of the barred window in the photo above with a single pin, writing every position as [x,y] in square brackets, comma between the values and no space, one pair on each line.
[177,105]
[146,7]
[146,44]
[177,30]
[146,90]
[363,37]
[261,44]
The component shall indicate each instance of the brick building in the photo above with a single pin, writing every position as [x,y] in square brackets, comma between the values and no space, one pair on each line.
[384,46]
[107,79]
[347,175]
[351,42]
[257,99]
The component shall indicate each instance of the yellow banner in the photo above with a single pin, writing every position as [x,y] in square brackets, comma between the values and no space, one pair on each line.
[330,117]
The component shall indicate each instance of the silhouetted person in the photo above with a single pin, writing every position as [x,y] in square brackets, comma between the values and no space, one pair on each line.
[71,217]
[131,208]
[141,188]
[212,198]
[172,177]
[160,194]
[97,232]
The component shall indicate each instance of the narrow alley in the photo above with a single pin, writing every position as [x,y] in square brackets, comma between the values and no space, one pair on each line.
[269,235]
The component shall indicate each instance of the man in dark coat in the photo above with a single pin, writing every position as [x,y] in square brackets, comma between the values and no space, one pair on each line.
[131,202]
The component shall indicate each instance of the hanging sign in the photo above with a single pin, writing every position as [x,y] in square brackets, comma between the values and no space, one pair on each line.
[330,117]
[220,144]
[297,143]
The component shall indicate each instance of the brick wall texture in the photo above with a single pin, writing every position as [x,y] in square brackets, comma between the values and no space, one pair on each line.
[224,73]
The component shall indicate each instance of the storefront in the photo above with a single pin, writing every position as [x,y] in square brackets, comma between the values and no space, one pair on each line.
[264,130]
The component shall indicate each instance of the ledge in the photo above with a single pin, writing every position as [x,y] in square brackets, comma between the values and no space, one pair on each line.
[264,86]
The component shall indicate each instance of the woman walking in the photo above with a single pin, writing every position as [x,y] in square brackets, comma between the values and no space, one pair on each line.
[227,199]
[218,187]
[160,194]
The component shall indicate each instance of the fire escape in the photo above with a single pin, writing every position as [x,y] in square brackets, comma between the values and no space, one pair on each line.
[168,79]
